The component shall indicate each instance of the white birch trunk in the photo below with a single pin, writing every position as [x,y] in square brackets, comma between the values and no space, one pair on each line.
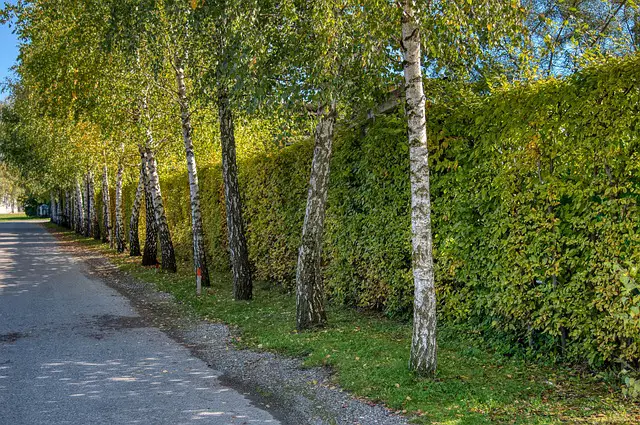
[106,208]
[134,238]
[79,209]
[119,228]
[310,310]
[150,252]
[72,209]
[60,208]
[168,261]
[93,214]
[60,216]
[88,201]
[52,210]
[199,255]
[423,347]
[238,252]
[59,205]
[67,211]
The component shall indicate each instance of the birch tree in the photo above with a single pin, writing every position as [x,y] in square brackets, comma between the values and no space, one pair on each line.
[87,204]
[95,222]
[134,238]
[423,344]
[199,252]
[458,55]
[332,74]
[220,36]
[156,34]
[150,253]
[179,38]
[239,253]
[107,234]
[79,221]
[168,258]
[119,228]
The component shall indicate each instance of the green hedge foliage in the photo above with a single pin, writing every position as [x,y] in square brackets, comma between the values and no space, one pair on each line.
[535,197]
[537,214]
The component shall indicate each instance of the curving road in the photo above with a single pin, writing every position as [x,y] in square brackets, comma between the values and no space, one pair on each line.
[73,351]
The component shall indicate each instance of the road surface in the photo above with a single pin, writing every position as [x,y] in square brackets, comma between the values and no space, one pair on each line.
[73,351]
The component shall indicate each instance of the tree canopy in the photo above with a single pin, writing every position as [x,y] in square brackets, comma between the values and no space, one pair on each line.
[126,91]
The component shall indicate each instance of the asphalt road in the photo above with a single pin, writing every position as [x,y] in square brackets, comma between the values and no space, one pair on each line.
[73,351]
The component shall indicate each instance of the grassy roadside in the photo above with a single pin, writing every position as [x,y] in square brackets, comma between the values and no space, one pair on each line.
[369,355]
[17,217]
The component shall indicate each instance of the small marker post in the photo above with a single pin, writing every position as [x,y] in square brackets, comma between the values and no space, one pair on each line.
[198,281]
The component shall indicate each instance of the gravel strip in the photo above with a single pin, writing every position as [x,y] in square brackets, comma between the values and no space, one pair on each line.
[294,394]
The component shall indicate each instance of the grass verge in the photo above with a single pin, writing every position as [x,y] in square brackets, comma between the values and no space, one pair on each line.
[369,355]
[17,217]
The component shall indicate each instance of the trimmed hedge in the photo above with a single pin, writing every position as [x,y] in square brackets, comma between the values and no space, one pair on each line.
[537,214]
[535,197]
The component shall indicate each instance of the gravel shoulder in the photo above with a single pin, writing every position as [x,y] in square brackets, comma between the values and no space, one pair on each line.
[292,393]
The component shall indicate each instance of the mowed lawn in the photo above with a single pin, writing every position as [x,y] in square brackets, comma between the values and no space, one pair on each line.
[18,217]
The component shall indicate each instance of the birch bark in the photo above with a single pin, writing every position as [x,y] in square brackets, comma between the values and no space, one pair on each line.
[199,253]
[423,357]
[166,245]
[134,238]
[53,209]
[72,209]
[60,207]
[119,228]
[242,282]
[87,206]
[58,210]
[310,310]
[150,253]
[95,222]
[79,209]
[106,207]
[67,212]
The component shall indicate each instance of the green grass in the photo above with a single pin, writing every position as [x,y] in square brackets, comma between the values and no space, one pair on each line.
[17,216]
[369,355]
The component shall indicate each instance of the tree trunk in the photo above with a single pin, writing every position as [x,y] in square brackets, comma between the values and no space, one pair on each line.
[59,208]
[88,204]
[120,242]
[106,207]
[166,245]
[134,239]
[423,347]
[242,282]
[93,213]
[52,210]
[79,209]
[150,253]
[199,253]
[71,207]
[67,213]
[61,218]
[310,311]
